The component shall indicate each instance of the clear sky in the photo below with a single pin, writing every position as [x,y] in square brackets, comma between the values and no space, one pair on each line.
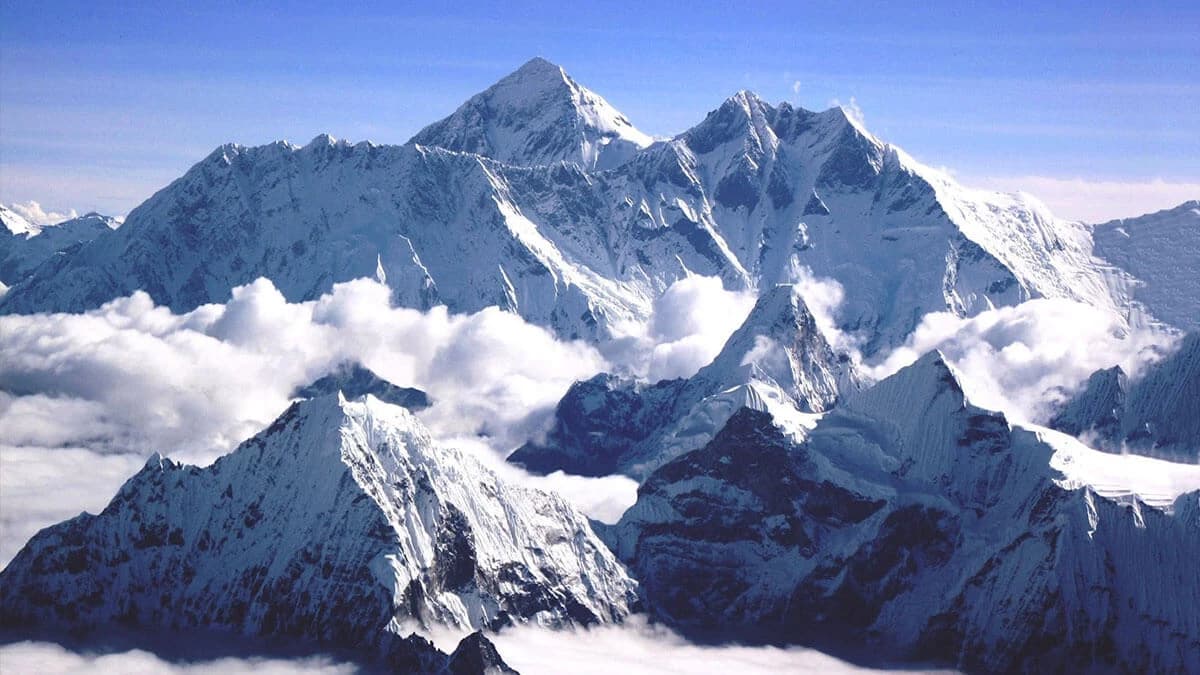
[1093,106]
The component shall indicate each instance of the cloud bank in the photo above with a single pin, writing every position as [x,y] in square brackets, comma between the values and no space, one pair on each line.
[85,397]
[688,325]
[1025,360]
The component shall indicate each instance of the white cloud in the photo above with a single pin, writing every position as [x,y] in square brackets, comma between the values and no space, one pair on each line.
[824,296]
[689,324]
[1096,201]
[45,657]
[131,378]
[35,214]
[637,647]
[1023,360]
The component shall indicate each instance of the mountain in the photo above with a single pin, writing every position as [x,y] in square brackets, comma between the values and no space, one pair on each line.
[1156,256]
[753,194]
[355,380]
[538,115]
[911,526]
[24,246]
[341,525]
[1155,415]
[777,359]
[14,223]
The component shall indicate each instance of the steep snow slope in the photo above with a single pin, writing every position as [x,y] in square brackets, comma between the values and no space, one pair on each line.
[438,227]
[912,525]
[342,524]
[776,360]
[14,223]
[753,194]
[538,115]
[1160,252]
[1157,415]
[24,246]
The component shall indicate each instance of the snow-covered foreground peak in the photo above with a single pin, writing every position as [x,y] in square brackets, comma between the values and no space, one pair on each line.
[910,525]
[538,115]
[343,524]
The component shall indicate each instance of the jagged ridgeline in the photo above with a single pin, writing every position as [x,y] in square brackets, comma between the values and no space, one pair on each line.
[539,197]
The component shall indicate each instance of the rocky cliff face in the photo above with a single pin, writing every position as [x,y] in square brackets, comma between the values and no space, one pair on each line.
[341,525]
[911,525]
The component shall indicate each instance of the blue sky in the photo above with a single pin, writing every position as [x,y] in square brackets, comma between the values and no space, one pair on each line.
[1092,106]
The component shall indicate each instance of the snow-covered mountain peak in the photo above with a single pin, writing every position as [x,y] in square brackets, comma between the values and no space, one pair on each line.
[779,343]
[353,380]
[342,524]
[538,115]
[14,223]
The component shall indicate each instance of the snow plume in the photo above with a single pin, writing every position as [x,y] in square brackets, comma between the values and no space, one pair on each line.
[35,214]
[852,110]
[1024,360]
[688,325]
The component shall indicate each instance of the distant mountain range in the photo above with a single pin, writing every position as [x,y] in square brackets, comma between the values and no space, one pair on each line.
[539,197]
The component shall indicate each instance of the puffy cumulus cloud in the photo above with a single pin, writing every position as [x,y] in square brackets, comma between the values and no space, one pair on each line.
[637,647]
[46,657]
[132,376]
[36,215]
[688,325]
[1024,360]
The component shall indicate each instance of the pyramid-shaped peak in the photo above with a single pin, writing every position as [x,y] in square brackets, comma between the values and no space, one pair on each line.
[537,115]
[914,387]
[780,343]
[540,66]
